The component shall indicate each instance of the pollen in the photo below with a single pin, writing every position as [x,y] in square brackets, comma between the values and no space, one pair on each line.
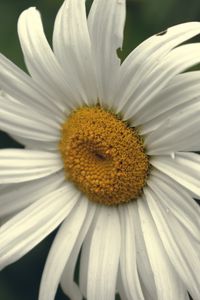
[103,156]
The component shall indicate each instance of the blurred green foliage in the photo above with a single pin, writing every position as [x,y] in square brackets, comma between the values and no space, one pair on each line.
[20,281]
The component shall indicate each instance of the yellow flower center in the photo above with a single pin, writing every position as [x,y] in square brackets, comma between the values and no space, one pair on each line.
[103,156]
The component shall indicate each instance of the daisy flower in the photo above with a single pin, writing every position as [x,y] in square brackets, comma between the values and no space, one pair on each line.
[109,154]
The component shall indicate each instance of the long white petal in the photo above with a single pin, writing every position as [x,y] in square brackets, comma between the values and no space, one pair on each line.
[61,250]
[20,120]
[16,197]
[72,47]
[128,264]
[146,294]
[25,230]
[35,145]
[179,248]
[181,89]
[84,263]
[144,267]
[178,131]
[146,57]
[104,251]
[187,296]
[187,195]
[176,202]
[184,168]
[19,85]
[69,287]
[120,287]
[41,62]
[167,282]
[20,165]
[177,61]
[106,24]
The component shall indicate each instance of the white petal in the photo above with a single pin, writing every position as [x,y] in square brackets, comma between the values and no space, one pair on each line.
[144,267]
[104,251]
[69,287]
[187,195]
[167,282]
[106,24]
[25,230]
[180,250]
[146,57]
[19,165]
[16,197]
[72,47]
[120,287]
[177,61]
[17,118]
[41,61]
[19,85]
[4,186]
[181,89]
[179,130]
[146,294]
[84,263]
[61,250]
[128,266]
[3,220]
[184,168]
[187,296]
[176,201]
[36,145]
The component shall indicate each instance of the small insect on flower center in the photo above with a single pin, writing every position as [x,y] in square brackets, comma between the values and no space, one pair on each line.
[103,157]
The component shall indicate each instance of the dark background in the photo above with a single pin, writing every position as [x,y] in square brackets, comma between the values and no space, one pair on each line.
[20,281]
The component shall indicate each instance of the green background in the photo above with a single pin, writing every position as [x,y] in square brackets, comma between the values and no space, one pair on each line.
[20,281]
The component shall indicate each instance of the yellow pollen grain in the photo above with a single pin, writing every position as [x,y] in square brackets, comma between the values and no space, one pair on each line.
[103,157]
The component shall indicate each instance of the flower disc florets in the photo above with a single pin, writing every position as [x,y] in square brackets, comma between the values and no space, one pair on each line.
[103,156]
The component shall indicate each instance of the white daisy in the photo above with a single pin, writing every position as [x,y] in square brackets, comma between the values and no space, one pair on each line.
[108,153]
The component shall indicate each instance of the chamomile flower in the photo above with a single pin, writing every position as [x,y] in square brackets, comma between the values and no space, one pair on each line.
[109,156]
